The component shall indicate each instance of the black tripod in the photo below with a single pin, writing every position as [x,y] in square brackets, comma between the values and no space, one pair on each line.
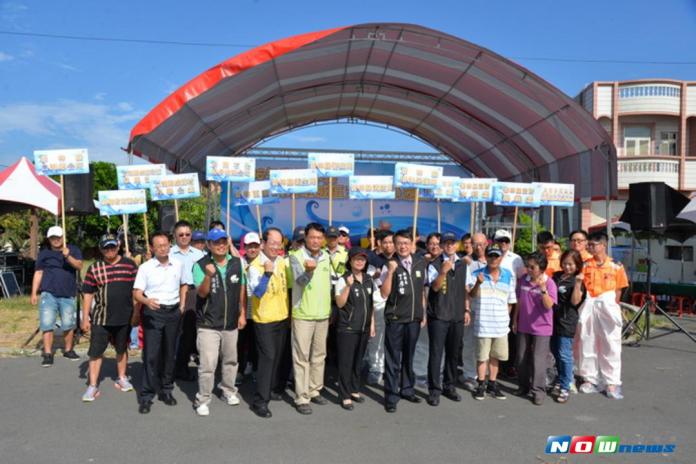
[646,308]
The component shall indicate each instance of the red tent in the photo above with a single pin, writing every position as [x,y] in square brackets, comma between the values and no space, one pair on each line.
[22,187]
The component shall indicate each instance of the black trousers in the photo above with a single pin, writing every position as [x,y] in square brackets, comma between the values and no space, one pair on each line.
[187,341]
[159,345]
[444,337]
[351,348]
[246,347]
[271,343]
[399,348]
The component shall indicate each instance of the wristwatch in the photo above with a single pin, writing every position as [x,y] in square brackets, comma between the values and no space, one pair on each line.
[544,292]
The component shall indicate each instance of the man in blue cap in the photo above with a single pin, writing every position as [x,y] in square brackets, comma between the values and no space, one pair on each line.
[198,240]
[220,311]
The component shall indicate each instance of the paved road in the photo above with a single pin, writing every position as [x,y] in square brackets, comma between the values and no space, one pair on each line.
[44,421]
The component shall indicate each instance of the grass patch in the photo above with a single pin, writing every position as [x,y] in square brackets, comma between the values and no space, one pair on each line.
[18,320]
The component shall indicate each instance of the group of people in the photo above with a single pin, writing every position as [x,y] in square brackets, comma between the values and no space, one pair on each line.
[284,309]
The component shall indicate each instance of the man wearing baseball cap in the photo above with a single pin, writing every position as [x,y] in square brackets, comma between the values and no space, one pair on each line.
[198,240]
[338,258]
[246,346]
[511,260]
[220,311]
[344,237]
[491,296]
[109,284]
[55,281]
[298,238]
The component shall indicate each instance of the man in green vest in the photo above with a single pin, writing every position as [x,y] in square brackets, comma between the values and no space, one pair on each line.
[311,308]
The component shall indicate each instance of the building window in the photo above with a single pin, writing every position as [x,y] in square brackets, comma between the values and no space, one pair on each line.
[649,91]
[668,143]
[637,141]
[675,253]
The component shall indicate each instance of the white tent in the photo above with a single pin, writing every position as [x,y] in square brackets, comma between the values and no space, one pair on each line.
[21,187]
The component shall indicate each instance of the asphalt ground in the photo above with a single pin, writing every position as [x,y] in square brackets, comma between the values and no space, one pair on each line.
[42,420]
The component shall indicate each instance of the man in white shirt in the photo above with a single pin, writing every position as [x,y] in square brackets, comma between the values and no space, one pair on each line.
[184,252]
[159,286]
[511,260]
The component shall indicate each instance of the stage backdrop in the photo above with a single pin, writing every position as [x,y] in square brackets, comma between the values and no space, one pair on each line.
[354,214]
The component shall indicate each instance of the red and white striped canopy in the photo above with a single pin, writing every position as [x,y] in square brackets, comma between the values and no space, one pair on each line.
[21,187]
[494,117]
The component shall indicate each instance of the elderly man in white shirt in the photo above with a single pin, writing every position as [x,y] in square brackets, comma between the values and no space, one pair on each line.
[160,286]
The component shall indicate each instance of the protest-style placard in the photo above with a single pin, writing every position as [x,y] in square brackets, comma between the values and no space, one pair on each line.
[138,176]
[371,188]
[230,169]
[418,176]
[118,202]
[332,164]
[523,195]
[175,187]
[65,161]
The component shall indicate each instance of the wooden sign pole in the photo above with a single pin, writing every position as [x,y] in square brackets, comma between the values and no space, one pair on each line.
[147,234]
[258,219]
[514,229]
[553,220]
[472,216]
[176,210]
[415,215]
[227,216]
[330,201]
[125,232]
[62,210]
[439,217]
[293,212]
[372,225]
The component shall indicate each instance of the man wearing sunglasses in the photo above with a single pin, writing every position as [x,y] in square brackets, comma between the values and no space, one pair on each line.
[187,255]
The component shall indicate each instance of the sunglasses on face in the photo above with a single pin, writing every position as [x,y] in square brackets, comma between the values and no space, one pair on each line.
[183,234]
[502,240]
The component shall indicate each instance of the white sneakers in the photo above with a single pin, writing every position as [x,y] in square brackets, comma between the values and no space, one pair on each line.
[232,399]
[203,410]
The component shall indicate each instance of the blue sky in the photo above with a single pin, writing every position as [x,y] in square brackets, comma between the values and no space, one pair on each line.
[75,93]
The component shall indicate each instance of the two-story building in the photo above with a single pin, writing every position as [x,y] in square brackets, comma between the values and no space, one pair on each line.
[653,125]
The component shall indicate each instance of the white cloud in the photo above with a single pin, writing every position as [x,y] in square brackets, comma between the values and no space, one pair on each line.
[100,96]
[5,57]
[100,127]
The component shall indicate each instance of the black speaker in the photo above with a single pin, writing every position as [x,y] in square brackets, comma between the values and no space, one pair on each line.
[652,206]
[166,218]
[79,194]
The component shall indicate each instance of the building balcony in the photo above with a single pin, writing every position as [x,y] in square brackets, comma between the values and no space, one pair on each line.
[656,168]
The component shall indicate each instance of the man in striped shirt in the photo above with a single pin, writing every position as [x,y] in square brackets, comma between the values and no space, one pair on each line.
[109,284]
[491,298]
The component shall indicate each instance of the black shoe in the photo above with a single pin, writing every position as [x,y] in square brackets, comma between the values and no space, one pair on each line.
[167,399]
[304,409]
[494,391]
[320,400]
[347,406]
[452,395]
[46,359]
[480,392]
[433,400]
[276,396]
[412,399]
[390,408]
[144,407]
[357,399]
[71,355]
[262,411]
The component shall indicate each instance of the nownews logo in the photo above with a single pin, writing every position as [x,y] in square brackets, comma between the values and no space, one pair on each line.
[602,444]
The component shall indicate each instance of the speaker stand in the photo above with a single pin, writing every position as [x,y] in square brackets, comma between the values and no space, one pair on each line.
[646,308]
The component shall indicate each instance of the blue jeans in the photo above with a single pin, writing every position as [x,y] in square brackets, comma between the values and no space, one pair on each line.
[562,348]
[50,306]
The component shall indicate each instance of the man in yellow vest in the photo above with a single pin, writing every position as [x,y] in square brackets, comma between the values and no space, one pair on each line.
[268,283]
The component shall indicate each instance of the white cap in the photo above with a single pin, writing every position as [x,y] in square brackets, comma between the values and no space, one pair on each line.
[55,231]
[502,233]
[344,229]
[251,237]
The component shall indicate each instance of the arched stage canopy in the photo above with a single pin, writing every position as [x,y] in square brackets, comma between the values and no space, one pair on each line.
[494,117]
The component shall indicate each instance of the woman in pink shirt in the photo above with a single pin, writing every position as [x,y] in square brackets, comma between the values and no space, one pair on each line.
[533,326]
